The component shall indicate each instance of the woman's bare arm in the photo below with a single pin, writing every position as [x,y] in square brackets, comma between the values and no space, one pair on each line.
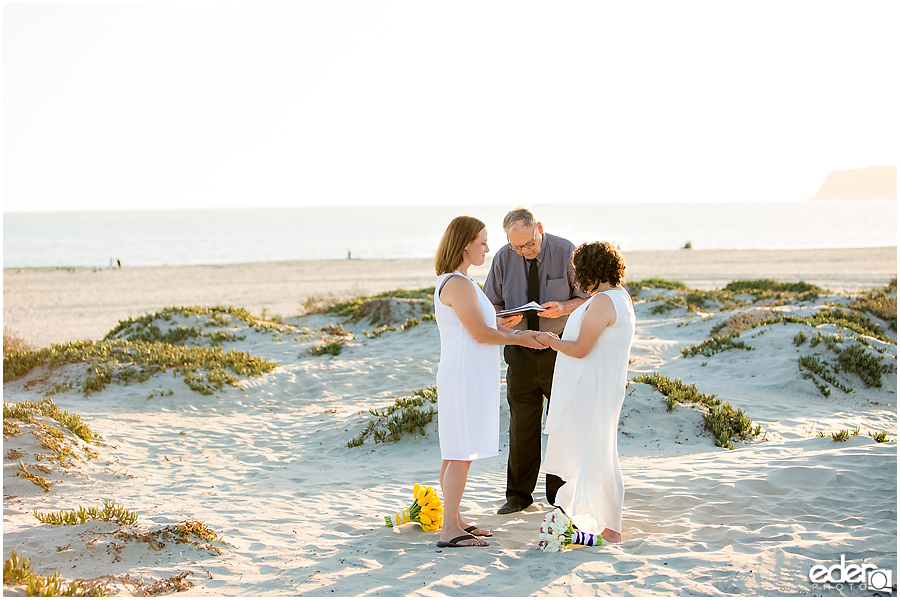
[462,298]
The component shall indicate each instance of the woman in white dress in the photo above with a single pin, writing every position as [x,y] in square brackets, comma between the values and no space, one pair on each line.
[588,391]
[468,378]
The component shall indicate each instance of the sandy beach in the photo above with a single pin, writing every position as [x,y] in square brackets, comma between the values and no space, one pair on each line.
[267,466]
[48,306]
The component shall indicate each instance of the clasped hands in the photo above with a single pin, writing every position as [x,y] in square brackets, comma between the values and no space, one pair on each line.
[539,340]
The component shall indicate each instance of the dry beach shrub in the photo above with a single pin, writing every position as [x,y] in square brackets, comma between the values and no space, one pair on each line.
[13,342]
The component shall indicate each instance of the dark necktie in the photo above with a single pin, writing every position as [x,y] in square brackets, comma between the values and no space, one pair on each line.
[534,295]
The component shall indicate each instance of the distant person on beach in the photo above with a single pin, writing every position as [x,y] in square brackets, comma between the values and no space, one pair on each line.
[588,392]
[468,377]
[533,266]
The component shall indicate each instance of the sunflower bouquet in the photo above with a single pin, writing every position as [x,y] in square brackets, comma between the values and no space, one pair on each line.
[426,510]
[557,532]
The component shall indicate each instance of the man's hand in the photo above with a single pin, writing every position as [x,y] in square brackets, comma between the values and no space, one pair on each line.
[553,310]
[510,321]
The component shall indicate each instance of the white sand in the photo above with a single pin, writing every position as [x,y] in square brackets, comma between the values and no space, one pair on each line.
[49,306]
[268,469]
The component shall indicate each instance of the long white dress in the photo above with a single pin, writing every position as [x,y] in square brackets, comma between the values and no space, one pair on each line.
[582,424]
[468,383]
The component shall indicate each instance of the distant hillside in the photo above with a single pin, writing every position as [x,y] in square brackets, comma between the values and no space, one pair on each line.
[871,183]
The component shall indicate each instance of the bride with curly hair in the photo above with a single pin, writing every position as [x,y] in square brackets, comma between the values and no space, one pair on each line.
[588,392]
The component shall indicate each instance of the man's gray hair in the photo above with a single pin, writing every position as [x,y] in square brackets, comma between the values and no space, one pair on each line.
[520,213]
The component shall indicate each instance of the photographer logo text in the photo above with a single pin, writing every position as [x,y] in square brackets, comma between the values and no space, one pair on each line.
[855,576]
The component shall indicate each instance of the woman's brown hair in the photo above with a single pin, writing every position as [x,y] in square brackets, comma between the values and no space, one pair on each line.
[461,232]
[595,263]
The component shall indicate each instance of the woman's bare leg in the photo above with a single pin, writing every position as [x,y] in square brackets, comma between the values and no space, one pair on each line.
[453,482]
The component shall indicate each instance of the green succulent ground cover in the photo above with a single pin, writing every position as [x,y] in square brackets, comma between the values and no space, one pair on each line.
[737,294]
[855,353]
[61,449]
[111,513]
[354,309]
[721,419]
[143,328]
[17,570]
[860,349]
[204,369]
[138,349]
[408,414]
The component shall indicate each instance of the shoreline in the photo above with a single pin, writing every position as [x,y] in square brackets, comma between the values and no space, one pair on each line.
[49,305]
[634,253]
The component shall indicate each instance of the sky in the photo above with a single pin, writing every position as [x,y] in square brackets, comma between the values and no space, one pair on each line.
[341,102]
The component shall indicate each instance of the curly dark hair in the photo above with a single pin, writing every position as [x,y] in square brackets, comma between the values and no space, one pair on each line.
[597,262]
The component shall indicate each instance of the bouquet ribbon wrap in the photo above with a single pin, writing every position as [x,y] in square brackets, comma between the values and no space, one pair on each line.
[557,532]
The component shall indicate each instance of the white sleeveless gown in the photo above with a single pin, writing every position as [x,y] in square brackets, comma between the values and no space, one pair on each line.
[468,383]
[588,394]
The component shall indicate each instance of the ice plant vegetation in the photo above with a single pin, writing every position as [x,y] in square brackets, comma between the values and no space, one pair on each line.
[109,513]
[721,419]
[409,414]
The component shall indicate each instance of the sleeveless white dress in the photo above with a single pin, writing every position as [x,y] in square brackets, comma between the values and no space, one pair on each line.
[582,424]
[468,383]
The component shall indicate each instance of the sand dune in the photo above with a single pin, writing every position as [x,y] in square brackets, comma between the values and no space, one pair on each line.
[299,513]
[49,306]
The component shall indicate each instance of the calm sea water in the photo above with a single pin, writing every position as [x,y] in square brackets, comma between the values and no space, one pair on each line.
[223,236]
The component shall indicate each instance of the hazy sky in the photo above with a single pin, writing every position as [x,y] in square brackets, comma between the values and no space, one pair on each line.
[120,105]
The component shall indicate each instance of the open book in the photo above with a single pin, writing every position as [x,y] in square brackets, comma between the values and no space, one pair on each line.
[523,308]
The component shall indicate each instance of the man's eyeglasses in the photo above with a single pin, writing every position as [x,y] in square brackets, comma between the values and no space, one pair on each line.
[523,246]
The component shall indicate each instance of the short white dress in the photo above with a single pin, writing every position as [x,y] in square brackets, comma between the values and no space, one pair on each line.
[583,420]
[468,383]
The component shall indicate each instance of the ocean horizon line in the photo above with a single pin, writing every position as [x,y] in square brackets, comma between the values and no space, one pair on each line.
[488,258]
[229,236]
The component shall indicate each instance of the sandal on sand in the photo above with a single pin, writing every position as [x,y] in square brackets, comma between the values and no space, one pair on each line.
[455,542]
[472,528]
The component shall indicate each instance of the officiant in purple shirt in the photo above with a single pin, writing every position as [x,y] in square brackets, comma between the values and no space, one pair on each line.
[533,266]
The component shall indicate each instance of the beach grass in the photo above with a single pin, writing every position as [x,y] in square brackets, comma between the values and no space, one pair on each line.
[14,343]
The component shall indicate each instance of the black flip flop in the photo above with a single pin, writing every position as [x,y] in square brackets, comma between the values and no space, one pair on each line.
[472,528]
[454,543]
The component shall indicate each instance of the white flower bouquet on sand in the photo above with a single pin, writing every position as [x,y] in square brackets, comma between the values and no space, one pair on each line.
[557,532]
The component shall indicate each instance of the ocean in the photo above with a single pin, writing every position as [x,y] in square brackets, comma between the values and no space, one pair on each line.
[225,236]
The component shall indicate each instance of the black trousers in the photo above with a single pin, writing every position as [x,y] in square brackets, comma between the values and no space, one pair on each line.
[529,377]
